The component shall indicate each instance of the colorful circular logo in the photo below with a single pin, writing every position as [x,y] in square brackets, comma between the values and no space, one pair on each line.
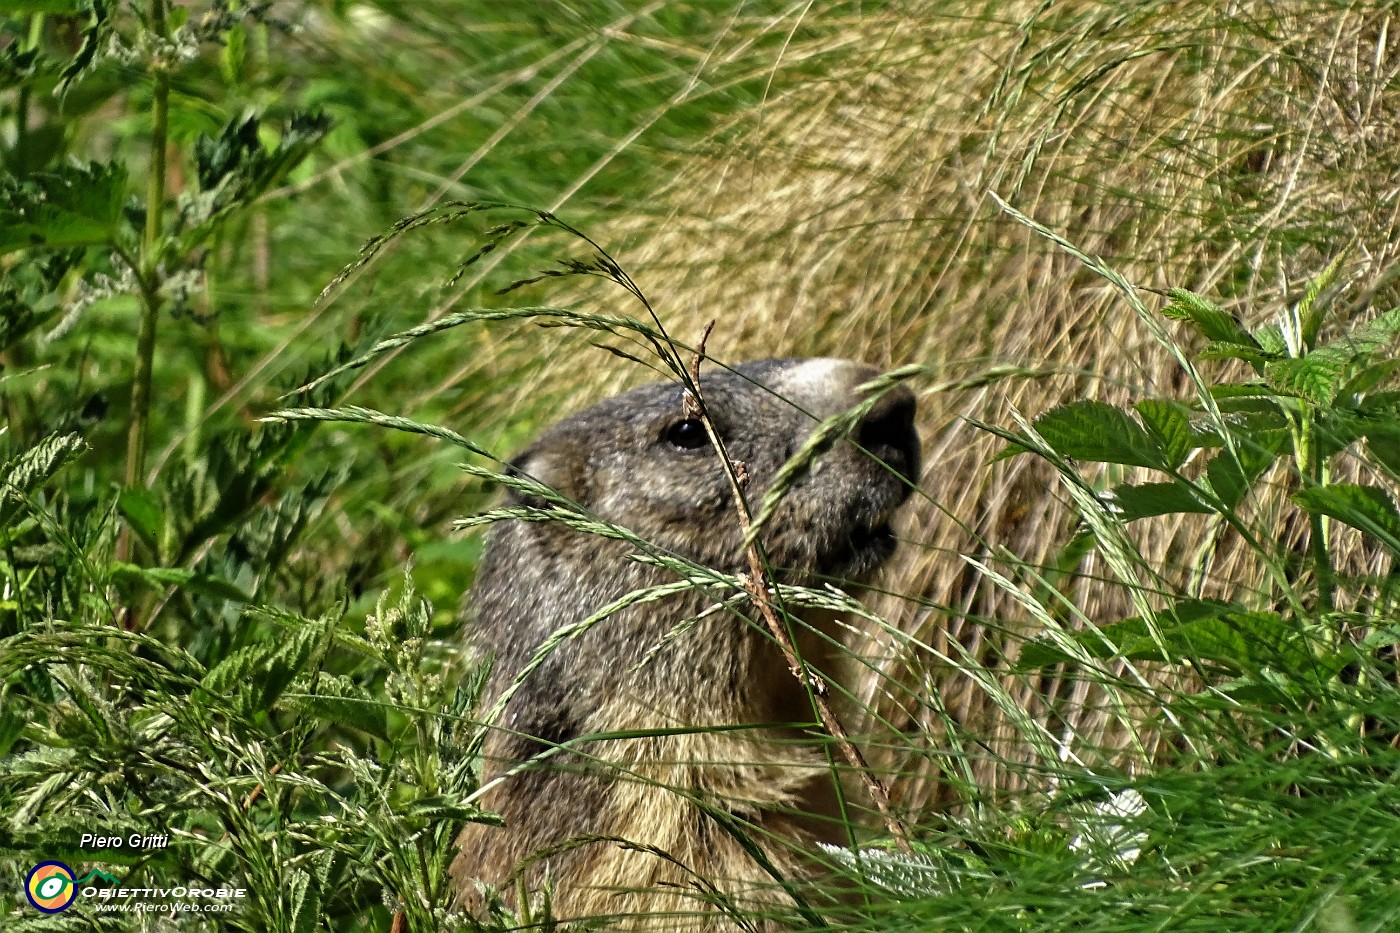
[50,887]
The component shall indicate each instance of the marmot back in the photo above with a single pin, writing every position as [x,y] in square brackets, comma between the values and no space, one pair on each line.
[672,709]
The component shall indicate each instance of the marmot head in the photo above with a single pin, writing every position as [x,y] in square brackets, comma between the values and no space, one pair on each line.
[641,460]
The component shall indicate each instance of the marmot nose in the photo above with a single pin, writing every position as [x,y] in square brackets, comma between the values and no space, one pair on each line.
[888,433]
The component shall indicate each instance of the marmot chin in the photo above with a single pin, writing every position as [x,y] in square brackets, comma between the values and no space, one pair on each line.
[674,713]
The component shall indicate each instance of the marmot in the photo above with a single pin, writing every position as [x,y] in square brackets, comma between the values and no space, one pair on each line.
[645,825]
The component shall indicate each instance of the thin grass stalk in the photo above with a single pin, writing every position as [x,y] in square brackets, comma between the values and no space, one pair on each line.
[149,271]
[759,584]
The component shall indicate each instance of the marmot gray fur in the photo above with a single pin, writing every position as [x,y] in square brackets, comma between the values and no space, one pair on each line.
[634,826]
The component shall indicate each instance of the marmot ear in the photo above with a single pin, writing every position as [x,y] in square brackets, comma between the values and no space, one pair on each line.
[562,470]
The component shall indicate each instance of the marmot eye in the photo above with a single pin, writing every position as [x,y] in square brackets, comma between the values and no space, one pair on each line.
[687,435]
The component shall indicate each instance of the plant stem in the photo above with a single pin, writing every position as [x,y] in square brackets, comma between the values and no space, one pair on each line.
[1314,473]
[36,35]
[150,264]
[757,583]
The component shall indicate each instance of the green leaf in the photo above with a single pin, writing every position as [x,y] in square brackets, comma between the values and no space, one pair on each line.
[73,206]
[340,700]
[1385,451]
[1225,391]
[1256,407]
[257,675]
[231,59]
[1132,502]
[1224,350]
[43,6]
[11,725]
[1309,312]
[1230,479]
[1217,633]
[161,577]
[18,67]
[99,27]
[1095,431]
[1316,377]
[436,809]
[143,513]
[304,896]
[1363,507]
[1270,339]
[1376,334]
[1170,425]
[1211,320]
[234,167]
[1368,377]
[1321,375]
[306,892]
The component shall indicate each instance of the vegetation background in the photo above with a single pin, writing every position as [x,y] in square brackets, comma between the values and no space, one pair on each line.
[245,632]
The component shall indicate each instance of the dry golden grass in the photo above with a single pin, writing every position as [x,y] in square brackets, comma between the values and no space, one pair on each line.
[1233,150]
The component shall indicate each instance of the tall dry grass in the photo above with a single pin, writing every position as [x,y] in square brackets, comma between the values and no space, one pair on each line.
[1234,150]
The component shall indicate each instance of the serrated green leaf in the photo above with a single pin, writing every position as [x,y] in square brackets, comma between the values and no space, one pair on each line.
[1310,314]
[98,28]
[1316,377]
[1223,350]
[1170,425]
[257,675]
[1376,334]
[1095,431]
[1210,319]
[338,699]
[434,809]
[225,677]
[1363,507]
[1145,500]
[304,896]
[234,167]
[73,206]
[1368,377]
[1271,341]
[1230,479]
[28,470]
[1219,634]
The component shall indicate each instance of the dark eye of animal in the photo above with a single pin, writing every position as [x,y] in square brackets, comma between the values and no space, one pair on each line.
[687,435]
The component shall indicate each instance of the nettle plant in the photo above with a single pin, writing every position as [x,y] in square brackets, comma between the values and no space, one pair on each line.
[173,657]
[1306,405]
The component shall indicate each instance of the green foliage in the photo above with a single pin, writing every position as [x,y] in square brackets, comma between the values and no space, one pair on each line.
[75,206]
[189,636]
[1309,411]
[1288,707]
[204,626]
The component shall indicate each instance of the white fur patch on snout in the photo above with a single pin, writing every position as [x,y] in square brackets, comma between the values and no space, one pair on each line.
[827,380]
